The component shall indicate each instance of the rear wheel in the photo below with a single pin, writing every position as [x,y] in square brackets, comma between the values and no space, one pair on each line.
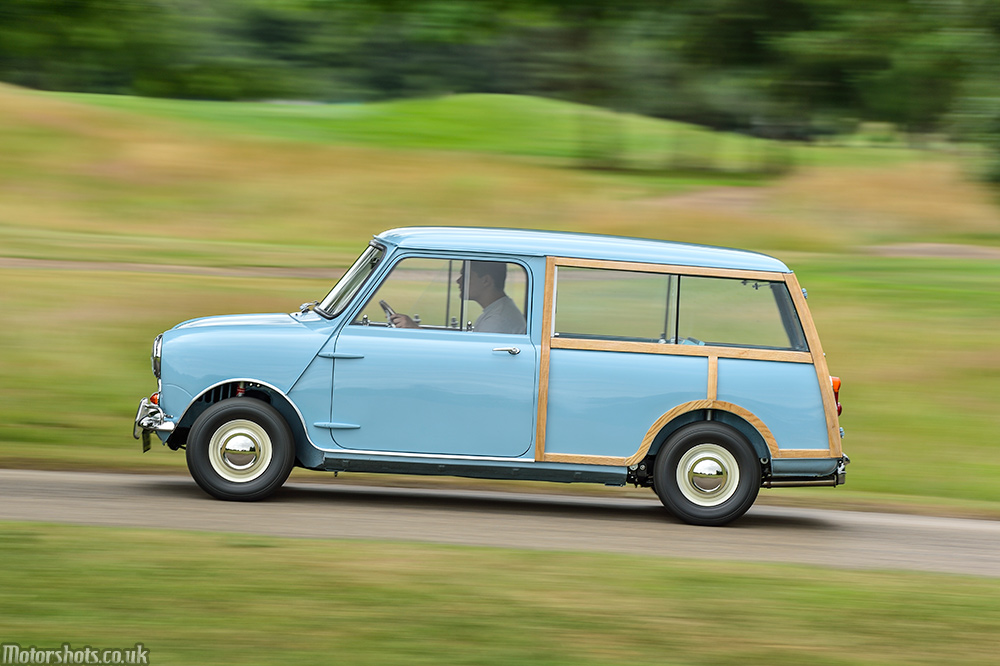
[707,474]
[240,449]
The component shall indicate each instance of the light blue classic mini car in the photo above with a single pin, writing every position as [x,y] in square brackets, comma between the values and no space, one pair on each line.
[510,354]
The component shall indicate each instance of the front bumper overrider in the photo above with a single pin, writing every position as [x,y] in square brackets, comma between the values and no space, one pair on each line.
[150,418]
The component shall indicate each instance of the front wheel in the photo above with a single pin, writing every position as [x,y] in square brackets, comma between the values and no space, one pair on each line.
[240,449]
[707,474]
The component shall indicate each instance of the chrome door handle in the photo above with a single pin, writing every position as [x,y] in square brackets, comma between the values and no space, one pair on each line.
[513,351]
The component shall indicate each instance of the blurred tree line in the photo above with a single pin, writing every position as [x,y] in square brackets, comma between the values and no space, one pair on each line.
[777,68]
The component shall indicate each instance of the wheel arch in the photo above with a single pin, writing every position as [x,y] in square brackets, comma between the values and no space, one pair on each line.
[742,420]
[306,454]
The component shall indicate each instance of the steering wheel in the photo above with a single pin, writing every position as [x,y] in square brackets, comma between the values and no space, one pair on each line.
[389,312]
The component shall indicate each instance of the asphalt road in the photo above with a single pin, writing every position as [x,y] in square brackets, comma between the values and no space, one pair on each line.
[517,520]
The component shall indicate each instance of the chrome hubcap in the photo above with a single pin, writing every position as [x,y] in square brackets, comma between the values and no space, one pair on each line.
[708,474]
[240,451]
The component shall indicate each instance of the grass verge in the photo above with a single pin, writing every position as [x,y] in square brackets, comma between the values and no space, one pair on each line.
[232,599]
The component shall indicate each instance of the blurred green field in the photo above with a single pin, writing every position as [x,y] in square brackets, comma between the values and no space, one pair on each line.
[237,599]
[151,183]
[499,124]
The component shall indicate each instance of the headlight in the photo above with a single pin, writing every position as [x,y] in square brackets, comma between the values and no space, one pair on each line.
[154,357]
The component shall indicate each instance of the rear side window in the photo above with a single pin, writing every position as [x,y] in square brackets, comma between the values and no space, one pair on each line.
[666,308]
[614,305]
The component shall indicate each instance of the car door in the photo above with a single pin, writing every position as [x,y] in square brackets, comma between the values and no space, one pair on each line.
[453,378]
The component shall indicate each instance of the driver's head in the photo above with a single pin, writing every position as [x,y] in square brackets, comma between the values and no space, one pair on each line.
[485,280]
[495,270]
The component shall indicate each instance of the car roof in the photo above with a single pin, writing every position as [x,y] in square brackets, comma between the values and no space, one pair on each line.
[531,242]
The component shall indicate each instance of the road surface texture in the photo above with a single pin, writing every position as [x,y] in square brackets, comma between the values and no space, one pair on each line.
[495,518]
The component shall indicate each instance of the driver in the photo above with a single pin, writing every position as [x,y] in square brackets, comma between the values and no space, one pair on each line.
[485,282]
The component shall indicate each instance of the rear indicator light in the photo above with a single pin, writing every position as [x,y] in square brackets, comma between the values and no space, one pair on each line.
[155,398]
[835,381]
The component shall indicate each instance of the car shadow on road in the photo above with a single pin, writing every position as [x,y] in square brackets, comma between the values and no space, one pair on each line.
[500,502]
[756,519]
[471,501]
[496,502]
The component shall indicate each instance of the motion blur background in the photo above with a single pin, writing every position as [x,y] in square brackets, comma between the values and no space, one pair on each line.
[167,159]
[785,69]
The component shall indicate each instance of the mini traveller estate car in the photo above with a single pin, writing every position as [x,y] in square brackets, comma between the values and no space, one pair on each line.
[515,354]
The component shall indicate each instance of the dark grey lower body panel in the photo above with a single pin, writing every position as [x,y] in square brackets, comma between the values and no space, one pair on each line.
[611,476]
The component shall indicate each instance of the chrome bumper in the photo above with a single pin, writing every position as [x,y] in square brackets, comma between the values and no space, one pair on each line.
[837,477]
[842,470]
[150,418]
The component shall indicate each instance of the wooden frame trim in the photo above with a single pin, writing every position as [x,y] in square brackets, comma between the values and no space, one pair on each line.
[713,378]
[819,362]
[745,414]
[681,350]
[548,304]
[814,356]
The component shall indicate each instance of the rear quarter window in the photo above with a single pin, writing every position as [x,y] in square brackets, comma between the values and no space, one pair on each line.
[738,312]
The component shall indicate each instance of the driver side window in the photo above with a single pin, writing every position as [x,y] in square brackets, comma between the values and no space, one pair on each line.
[450,294]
